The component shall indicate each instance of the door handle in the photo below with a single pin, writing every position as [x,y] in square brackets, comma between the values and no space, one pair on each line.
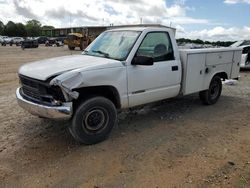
[175,68]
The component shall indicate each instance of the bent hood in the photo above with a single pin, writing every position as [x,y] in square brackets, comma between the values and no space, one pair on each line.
[44,69]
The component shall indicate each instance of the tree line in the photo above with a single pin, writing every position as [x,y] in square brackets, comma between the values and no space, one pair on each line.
[32,28]
[198,41]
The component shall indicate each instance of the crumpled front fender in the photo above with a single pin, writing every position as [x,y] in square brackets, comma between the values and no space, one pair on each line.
[67,82]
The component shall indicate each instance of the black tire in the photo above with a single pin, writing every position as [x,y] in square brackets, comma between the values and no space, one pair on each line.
[82,46]
[212,95]
[93,120]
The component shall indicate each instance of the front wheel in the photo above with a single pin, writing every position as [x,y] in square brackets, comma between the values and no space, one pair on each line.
[213,93]
[93,120]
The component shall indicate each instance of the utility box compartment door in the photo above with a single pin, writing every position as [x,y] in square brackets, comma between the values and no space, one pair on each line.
[219,58]
[236,64]
[195,70]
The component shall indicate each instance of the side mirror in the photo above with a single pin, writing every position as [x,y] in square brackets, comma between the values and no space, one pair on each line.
[142,60]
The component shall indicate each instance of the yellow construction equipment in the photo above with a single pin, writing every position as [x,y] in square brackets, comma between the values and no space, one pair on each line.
[77,40]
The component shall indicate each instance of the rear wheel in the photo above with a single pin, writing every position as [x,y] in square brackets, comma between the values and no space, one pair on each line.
[93,120]
[213,93]
[82,45]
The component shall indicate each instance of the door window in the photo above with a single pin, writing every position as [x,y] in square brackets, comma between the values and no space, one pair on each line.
[156,45]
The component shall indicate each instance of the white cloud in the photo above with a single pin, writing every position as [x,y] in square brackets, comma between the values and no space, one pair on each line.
[236,1]
[66,13]
[218,33]
[97,12]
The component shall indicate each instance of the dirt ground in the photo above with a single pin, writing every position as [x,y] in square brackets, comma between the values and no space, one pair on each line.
[175,143]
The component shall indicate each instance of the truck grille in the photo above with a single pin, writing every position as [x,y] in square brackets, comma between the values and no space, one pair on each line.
[40,92]
[31,93]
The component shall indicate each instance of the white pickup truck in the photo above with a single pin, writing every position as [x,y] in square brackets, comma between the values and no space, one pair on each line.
[122,68]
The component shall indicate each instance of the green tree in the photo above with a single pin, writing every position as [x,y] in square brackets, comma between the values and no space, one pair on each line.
[10,29]
[33,28]
[21,30]
[1,28]
[198,41]
[207,42]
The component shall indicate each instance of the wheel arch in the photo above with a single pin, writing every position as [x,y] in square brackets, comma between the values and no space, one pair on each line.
[110,92]
[222,75]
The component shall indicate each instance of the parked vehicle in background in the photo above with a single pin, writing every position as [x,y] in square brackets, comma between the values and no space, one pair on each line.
[122,68]
[42,39]
[16,40]
[245,58]
[240,43]
[191,46]
[2,38]
[29,43]
[74,40]
[53,42]
[6,40]
[61,39]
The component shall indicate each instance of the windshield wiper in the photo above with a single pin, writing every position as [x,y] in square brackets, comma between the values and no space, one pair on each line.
[101,52]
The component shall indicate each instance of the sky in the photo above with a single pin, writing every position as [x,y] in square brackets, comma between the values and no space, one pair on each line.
[211,20]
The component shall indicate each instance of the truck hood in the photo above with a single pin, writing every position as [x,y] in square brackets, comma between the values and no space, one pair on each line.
[44,69]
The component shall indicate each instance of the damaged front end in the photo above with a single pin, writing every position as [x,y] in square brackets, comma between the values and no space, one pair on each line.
[40,91]
[46,100]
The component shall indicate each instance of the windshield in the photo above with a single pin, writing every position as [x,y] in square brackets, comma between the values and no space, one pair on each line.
[113,44]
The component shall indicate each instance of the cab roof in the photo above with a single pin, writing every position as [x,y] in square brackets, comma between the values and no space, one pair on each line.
[140,27]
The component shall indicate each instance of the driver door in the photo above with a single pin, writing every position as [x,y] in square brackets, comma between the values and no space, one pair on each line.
[158,81]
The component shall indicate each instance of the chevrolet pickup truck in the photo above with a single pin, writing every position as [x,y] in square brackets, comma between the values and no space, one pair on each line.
[122,68]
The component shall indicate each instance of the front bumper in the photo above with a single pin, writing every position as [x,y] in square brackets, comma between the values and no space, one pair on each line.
[64,111]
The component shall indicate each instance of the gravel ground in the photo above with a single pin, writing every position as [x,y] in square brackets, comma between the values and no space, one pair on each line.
[173,143]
